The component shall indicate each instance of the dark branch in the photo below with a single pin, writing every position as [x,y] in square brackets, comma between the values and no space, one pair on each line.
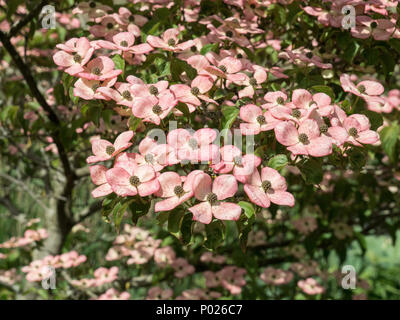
[15,29]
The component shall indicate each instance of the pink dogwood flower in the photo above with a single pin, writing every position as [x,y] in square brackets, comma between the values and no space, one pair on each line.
[256,120]
[366,89]
[130,179]
[193,147]
[212,195]
[100,68]
[310,286]
[174,190]
[98,175]
[88,89]
[104,150]
[75,53]
[170,41]
[152,109]
[267,188]
[306,140]
[124,42]
[355,130]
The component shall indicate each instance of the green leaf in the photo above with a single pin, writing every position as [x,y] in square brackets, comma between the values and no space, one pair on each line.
[395,44]
[119,63]
[73,99]
[244,226]
[139,209]
[187,228]
[215,234]
[389,136]
[351,51]
[174,222]
[375,118]
[134,122]
[94,114]
[184,109]
[229,115]
[357,157]
[209,47]
[311,171]
[179,66]
[278,162]
[248,208]
[325,89]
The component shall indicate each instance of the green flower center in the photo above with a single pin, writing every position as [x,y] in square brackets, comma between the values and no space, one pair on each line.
[157,109]
[92,4]
[212,198]
[309,55]
[323,128]
[195,91]
[280,100]
[229,34]
[296,113]
[124,43]
[238,160]
[178,190]
[110,150]
[222,68]
[134,181]
[353,132]
[303,138]
[127,95]
[171,42]
[96,71]
[361,88]
[77,58]
[253,82]
[261,119]
[149,158]
[266,185]
[109,26]
[153,90]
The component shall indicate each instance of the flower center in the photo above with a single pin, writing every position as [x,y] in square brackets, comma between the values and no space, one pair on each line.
[178,190]
[171,42]
[361,88]
[193,143]
[95,87]
[280,100]
[222,68]
[110,150]
[323,128]
[266,185]
[193,48]
[253,82]
[296,113]
[96,71]
[212,198]
[131,19]
[134,181]
[153,90]
[238,160]
[109,25]
[229,34]
[260,119]
[309,55]
[126,95]
[303,138]
[353,132]
[149,158]
[92,4]
[195,91]
[123,43]
[77,58]
[157,109]
[374,25]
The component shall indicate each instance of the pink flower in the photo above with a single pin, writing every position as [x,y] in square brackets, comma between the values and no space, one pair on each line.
[112,294]
[98,175]
[152,109]
[257,120]
[74,55]
[123,94]
[310,286]
[170,41]
[232,159]
[366,89]
[129,179]
[100,68]
[88,89]
[164,256]
[174,190]
[123,42]
[105,150]
[253,83]
[156,293]
[306,140]
[228,68]
[355,130]
[232,279]
[153,154]
[193,147]
[276,277]
[182,268]
[267,188]
[211,194]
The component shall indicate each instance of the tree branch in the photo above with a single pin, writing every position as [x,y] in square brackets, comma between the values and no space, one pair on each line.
[16,28]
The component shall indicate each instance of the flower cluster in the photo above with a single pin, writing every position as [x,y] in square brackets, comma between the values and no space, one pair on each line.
[41,269]
[30,236]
